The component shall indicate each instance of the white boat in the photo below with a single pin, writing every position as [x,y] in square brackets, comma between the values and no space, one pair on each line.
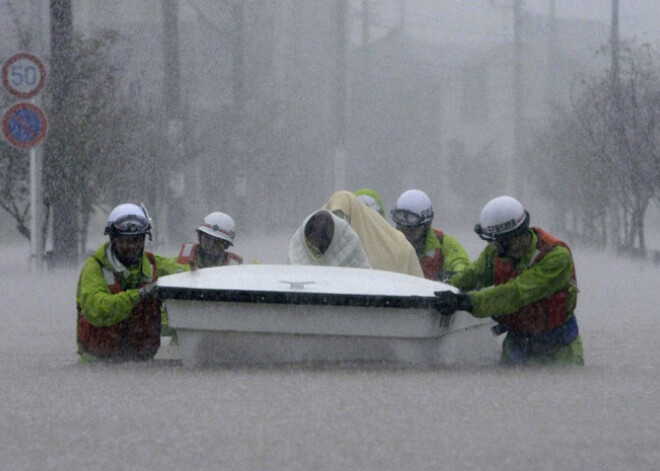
[265,314]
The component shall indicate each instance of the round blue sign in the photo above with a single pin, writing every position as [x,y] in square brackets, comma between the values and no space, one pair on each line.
[24,125]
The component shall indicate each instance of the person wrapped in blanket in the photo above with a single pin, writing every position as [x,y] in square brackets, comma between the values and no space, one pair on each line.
[385,247]
[326,239]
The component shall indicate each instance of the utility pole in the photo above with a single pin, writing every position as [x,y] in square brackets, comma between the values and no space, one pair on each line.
[365,22]
[175,150]
[614,40]
[238,136]
[59,165]
[518,102]
[616,86]
[37,241]
[340,95]
[366,37]
[552,55]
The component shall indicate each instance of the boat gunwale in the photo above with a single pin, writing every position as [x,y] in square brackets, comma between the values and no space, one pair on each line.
[297,298]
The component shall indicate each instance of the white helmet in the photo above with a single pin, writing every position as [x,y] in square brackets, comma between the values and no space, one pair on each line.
[220,226]
[371,202]
[413,208]
[128,219]
[502,216]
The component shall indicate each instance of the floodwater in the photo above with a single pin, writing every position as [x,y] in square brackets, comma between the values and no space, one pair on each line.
[59,415]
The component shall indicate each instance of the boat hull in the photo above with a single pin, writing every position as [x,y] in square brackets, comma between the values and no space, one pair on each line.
[218,323]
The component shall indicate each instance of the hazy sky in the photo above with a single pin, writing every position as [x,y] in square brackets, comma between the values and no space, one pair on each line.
[637,17]
[491,19]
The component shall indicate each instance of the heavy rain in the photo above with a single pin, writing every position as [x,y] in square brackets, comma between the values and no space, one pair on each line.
[263,109]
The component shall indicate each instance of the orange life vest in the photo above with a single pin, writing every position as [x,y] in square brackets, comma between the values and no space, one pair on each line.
[433,262]
[189,252]
[136,338]
[546,314]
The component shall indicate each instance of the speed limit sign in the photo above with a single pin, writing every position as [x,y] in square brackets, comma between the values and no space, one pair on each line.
[23,75]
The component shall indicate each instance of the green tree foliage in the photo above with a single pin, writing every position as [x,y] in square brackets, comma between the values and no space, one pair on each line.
[94,129]
[111,142]
[114,137]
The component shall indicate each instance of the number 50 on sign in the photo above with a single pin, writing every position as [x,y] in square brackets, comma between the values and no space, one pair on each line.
[23,75]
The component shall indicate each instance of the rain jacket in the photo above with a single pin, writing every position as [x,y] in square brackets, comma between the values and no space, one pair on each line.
[443,256]
[109,307]
[345,249]
[535,281]
[386,248]
[191,251]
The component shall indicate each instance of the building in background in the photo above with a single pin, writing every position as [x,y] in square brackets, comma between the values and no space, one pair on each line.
[433,101]
[428,92]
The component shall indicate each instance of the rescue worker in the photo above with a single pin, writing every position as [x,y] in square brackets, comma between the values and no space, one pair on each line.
[386,248]
[215,236]
[372,199]
[119,318]
[326,239]
[440,254]
[532,288]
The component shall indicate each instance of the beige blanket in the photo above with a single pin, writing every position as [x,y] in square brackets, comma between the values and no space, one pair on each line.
[386,248]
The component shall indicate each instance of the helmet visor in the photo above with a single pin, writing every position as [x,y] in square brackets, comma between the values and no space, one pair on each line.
[131,225]
[403,217]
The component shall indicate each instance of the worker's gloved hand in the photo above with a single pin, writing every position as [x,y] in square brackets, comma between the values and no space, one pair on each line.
[148,291]
[449,302]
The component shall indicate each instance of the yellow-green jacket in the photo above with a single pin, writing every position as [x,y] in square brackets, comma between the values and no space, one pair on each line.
[108,295]
[537,280]
[443,256]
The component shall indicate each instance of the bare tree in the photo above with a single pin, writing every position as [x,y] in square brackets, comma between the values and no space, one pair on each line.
[110,143]
[619,118]
[15,164]
[14,186]
[565,171]
[605,150]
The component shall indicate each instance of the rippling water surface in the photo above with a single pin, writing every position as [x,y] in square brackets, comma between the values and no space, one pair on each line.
[59,415]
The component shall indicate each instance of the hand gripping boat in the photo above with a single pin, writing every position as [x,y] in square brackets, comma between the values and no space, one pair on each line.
[264,314]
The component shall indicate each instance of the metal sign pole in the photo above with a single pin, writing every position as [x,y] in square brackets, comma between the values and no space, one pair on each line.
[24,124]
[36,208]
[36,162]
